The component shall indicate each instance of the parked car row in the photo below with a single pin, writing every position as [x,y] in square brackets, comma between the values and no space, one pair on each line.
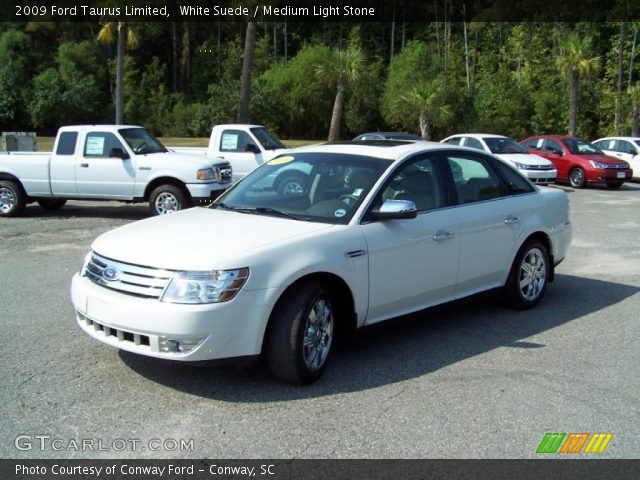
[544,159]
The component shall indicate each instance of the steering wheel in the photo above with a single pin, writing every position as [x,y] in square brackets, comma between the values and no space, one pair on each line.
[349,199]
[140,147]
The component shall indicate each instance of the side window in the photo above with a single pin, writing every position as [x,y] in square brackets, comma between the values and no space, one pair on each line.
[99,144]
[416,181]
[454,141]
[625,147]
[552,146]
[473,143]
[515,182]
[474,179]
[67,143]
[235,141]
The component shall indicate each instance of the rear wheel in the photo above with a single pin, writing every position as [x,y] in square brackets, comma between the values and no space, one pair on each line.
[301,334]
[577,178]
[528,277]
[12,199]
[168,199]
[52,203]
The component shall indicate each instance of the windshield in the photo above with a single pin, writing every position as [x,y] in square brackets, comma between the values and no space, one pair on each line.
[578,146]
[503,145]
[268,141]
[141,141]
[316,187]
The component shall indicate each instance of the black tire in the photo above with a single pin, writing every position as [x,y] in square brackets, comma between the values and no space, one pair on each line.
[532,264]
[168,199]
[577,178]
[291,183]
[12,199]
[614,184]
[293,338]
[52,203]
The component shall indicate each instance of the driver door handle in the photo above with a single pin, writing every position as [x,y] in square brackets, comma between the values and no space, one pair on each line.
[442,236]
[84,165]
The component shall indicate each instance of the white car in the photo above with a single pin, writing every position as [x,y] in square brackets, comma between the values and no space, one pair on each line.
[537,169]
[376,232]
[624,148]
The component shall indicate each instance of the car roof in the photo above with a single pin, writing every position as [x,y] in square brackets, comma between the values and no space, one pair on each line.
[393,150]
[478,135]
[631,139]
[109,126]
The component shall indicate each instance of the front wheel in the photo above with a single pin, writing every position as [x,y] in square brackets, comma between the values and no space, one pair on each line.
[12,200]
[167,199]
[528,277]
[301,334]
[577,178]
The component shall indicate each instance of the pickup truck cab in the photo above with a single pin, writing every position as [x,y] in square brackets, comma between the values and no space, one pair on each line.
[109,162]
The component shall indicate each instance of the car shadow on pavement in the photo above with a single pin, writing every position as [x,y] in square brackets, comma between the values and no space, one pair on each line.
[404,348]
[98,210]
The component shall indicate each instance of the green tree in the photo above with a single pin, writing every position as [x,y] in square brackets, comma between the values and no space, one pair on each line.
[15,77]
[574,61]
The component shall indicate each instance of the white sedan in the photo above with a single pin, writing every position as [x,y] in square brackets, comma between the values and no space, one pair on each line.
[624,148]
[536,168]
[375,232]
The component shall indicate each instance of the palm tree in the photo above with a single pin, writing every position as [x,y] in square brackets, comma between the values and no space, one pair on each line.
[573,62]
[634,94]
[341,68]
[126,38]
[427,99]
[247,72]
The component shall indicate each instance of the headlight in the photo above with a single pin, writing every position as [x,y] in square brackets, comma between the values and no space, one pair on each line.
[598,165]
[205,287]
[521,166]
[205,174]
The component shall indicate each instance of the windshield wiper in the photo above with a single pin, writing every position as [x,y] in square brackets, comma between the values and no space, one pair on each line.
[255,210]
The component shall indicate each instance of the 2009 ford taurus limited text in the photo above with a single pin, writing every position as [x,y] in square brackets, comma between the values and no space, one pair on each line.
[375,232]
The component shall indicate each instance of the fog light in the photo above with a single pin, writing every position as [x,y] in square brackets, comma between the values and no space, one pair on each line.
[178,345]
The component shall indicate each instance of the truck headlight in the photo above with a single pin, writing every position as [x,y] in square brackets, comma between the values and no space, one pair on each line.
[521,166]
[598,165]
[206,174]
[205,287]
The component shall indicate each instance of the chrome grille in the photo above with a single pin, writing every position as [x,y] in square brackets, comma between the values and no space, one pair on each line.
[540,167]
[224,172]
[126,277]
[617,167]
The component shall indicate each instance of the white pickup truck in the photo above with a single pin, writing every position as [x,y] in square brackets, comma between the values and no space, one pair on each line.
[109,162]
[246,147]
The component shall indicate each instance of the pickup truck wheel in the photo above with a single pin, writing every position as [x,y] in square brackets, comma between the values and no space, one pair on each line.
[52,203]
[527,280]
[12,200]
[301,334]
[291,183]
[167,199]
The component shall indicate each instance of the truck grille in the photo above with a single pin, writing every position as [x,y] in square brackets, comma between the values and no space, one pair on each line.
[126,277]
[224,172]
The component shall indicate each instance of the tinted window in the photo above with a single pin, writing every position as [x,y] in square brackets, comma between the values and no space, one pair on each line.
[503,145]
[67,143]
[416,181]
[235,141]
[454,141]
[534,143]
[552,146]
[474,179]
[515,182]
[99,144]
[473,143]
[625,147]
[141,141]
[268,141]
[578,146]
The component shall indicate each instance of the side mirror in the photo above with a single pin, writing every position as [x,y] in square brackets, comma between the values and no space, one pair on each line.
[118,153]
[251,148]
[395,210]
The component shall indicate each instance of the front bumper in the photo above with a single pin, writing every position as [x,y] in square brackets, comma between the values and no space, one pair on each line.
[203,193]
[609,175]
[541,177]
[139,325]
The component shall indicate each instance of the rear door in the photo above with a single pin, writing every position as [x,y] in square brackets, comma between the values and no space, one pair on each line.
[100,175]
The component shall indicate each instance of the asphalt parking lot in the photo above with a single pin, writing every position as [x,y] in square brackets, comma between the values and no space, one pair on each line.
[468,380]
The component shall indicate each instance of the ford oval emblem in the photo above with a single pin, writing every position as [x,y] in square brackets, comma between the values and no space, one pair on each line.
[111,274]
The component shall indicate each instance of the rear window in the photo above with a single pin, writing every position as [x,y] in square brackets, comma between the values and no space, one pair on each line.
[67,143]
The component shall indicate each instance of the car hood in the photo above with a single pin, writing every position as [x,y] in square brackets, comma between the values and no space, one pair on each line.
[197,238]
[597,157]
[524,158]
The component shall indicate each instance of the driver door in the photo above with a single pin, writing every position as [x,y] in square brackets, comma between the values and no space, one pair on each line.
[233,148]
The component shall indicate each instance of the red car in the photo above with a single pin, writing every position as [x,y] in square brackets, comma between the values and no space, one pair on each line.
[578,161]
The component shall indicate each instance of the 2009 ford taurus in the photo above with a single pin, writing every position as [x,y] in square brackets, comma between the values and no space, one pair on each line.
[373,233]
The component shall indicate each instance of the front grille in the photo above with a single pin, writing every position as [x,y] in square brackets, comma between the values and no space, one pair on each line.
[224,172]
[617,167]
[116,333]
[540,167]
[126,277]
